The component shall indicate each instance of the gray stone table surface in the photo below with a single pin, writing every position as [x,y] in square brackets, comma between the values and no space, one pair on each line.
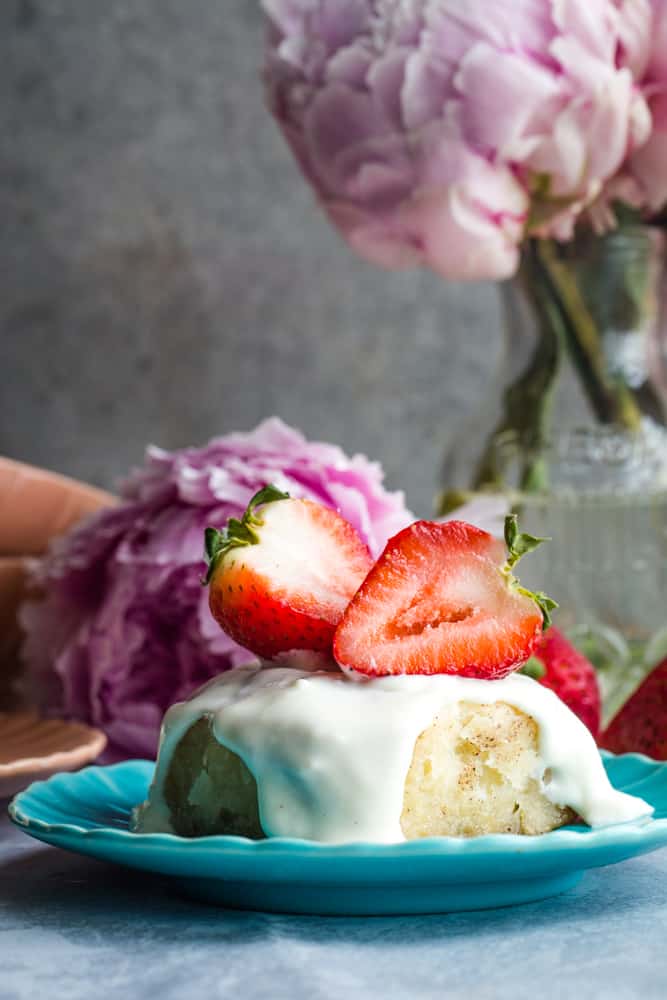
[75,928]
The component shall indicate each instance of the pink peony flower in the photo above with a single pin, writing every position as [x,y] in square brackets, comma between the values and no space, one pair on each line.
[649,164]
[436,132]
[124,629]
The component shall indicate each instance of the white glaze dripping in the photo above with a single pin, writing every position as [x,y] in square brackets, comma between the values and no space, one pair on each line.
[330,755]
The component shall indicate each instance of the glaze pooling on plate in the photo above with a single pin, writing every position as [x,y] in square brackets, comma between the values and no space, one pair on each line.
[330,754]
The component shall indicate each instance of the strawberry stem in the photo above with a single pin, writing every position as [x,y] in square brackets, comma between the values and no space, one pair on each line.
[518,544]
[237,533]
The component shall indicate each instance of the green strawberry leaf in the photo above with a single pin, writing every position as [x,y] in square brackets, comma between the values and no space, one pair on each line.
[211,544]
[518,545]
[268,494]
[237,533]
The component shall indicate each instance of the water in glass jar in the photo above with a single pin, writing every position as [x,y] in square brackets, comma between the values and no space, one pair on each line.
[607,563]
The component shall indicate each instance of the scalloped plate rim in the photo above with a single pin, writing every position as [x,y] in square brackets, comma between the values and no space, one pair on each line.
[582,838]
[289,875]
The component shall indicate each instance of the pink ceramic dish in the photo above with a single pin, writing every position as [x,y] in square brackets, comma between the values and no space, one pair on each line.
[13,581]
[36,505]
[32,748]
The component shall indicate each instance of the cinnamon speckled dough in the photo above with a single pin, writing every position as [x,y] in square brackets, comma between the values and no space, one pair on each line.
[472,772]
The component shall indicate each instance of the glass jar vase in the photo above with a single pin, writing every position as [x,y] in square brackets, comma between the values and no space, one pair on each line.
[575,438]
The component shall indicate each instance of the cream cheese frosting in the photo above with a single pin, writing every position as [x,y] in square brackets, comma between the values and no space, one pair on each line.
[330,754]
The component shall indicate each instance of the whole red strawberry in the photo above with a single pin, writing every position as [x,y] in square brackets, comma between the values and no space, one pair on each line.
[641,725]
[281,577]
[558,665]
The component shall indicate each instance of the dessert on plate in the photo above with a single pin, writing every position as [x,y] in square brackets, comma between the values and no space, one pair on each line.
[386,703]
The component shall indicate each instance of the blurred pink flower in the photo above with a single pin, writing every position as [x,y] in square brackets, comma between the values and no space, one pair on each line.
[436,132]
[124,629]
[649,163]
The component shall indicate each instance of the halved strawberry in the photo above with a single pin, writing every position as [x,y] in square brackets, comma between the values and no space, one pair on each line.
[442,600]
[281,578]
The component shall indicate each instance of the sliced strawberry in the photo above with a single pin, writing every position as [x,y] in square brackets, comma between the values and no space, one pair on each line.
[558,665]
[641,725]
[281,578]
[442,599]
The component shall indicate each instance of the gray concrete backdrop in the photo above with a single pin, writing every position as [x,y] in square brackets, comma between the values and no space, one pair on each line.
[165,274]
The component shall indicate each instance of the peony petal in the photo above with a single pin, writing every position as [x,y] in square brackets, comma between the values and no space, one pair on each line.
[504,119]
[649,166]
[635,26]
[339,118]
[386,80]
[350,65]
[592,25]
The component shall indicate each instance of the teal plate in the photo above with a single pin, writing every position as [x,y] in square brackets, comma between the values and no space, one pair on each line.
[89,812]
